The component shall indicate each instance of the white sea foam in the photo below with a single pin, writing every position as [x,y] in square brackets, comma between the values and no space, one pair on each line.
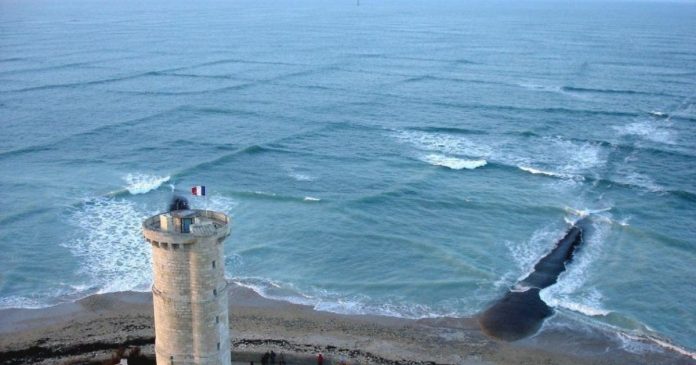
[577,214]
[445,143]
[453,162]
[623,222]
[564,293]
[220,203]
[658,114]
[673,347]
[273,290]
[143,183]
[413,311]
[16,301]
[301,177]
[519,288]
[608,220]
[389,308]
[640,344]
[579,157]
[635,344]
[58,293]
[570,291]
[258,285]
[643,181]
[328,301]
[311,199]
[298,173]
[535,171]
[527,253]
[584,309]
[648,129]
[552,156]
[504,281]
[111,250]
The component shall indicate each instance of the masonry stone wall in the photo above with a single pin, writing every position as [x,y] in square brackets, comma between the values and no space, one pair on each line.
[189,296]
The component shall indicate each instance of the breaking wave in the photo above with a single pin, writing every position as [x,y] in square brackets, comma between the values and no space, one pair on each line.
[642,343]
[534,171]
[59,293]
[143,183]
[453,162]
[16,301]
[525,254]
[670,346]
[556,156]
[329,301]
[566,292]
[221,203]
[444,143]
[590,305]
[266,195]
[570,292]
[112,252]
[648,130]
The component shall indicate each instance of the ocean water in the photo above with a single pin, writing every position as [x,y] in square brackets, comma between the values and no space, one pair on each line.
[405,158]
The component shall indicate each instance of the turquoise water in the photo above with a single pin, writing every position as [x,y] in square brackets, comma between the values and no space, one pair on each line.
[402,158]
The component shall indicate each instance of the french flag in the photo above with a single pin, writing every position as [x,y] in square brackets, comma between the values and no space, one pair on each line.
[198,190]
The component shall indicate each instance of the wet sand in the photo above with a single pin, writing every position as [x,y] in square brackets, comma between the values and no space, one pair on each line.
[93,327]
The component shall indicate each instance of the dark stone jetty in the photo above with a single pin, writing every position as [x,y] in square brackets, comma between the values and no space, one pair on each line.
[520,312]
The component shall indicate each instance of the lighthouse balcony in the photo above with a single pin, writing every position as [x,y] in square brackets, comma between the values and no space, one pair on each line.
[180,226]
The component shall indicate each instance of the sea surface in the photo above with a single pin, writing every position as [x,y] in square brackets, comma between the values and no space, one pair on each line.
[404,158]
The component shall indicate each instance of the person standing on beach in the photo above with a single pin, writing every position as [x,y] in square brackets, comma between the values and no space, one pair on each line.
[273,355]
[320,360]
[281,359]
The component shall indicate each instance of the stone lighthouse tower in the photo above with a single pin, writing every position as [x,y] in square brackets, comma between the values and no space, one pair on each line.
[189,290]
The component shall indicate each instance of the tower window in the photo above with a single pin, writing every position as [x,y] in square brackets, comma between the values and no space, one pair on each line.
[213,264]
[218,345]
[215,292]
[217,319]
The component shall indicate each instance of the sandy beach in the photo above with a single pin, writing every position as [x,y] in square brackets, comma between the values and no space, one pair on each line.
[92,328]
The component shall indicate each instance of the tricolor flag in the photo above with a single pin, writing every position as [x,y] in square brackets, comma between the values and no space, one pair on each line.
[198,190]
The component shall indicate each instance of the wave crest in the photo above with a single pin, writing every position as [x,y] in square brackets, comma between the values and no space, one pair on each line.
[535,171]
[453,162]
[143,183]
